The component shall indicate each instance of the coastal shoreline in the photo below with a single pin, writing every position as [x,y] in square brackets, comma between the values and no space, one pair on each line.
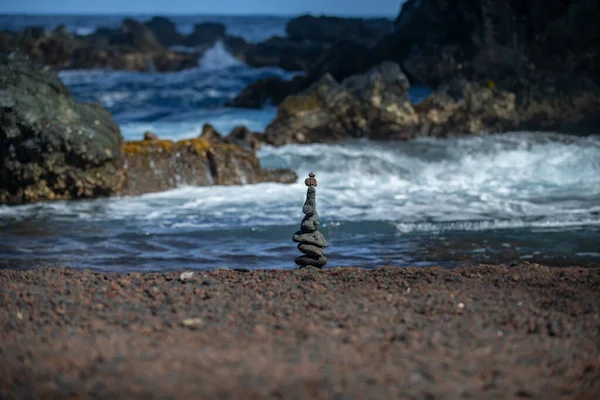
[526,331]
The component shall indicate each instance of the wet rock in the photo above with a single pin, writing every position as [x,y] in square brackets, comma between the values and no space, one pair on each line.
[374,104]
[165,31]
[284,53]
[152,166]
[311,240]
[133,46]
[242,136]
[461,107]
[205,34]
[150,136]
[325,29]
[50,146]
[269,90]
[136,35]
[210,134]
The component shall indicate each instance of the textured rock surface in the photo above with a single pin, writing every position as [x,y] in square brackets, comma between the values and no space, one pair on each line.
[326,29]
[133,46]
[152,166]
[284,53]
[272,89]
[50,146]
[368,105]
[484,332]
[311,240]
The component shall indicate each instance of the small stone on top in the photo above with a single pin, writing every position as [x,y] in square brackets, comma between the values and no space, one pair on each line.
[310,181]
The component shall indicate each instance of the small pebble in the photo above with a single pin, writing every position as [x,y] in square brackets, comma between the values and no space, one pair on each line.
[192,322]
[186,276]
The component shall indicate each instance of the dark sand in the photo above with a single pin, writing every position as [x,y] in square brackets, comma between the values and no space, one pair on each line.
[489,332]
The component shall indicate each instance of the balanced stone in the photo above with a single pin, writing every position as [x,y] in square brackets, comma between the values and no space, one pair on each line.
[311,241]
[311,250]
[310,205]
[310,223]
[315,238]
[305,261]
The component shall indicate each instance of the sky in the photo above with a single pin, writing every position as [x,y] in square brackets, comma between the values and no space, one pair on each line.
[165,7]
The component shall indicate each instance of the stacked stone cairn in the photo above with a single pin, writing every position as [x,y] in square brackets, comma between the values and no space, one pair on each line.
[311,241]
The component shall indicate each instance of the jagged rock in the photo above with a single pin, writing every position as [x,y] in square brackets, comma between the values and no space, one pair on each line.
[152,166]
[150,136]
[210,134]
[345,59]
[272,89]
[205,34]
[165,31]
[50,146]
[461,107]
[374,104]
[331,29]
[284,53]
[136,35]
[132,47]
[242,136]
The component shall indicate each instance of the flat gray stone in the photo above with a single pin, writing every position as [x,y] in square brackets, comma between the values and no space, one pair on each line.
[311,250]
[315,238]
[310,205]
[313,261]
[310,223]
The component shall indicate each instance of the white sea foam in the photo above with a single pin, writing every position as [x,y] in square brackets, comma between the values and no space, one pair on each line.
[217,58]
[492,182]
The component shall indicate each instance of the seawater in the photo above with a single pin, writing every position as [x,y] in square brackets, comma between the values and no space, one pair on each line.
[521,196]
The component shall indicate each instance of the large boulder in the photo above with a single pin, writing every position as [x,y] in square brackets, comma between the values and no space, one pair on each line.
[136,35]
[165,31]
[325,29]
[284,53]
[460,107]
[158,165]
[436,40]
[268,90]
[205,34]
[374,105]
[50,146]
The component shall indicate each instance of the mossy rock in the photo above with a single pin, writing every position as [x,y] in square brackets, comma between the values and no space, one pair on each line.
[50,146]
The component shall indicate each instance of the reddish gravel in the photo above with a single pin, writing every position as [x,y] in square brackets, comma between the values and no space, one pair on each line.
[487,332]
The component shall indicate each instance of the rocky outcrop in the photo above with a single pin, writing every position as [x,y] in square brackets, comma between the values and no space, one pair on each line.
[284,53]
[325,29]
[372,105]
[205,34]
[376,105]
[133,46]
[269,90]
[495,39]
[53,148]
[165,31]
[50,146]
[153,166]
